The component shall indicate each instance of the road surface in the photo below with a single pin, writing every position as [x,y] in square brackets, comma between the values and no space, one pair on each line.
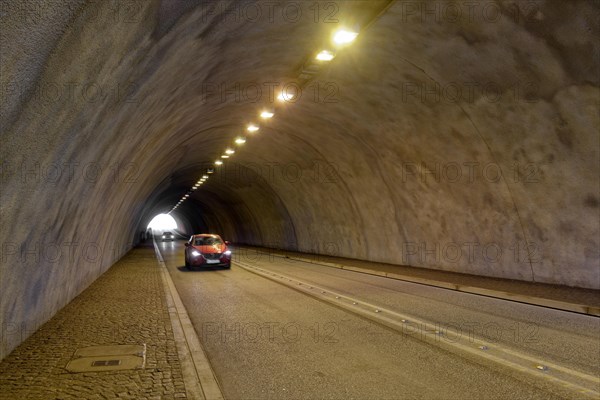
[279,329]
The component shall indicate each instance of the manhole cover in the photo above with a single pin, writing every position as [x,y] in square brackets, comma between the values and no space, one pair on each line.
[108,358]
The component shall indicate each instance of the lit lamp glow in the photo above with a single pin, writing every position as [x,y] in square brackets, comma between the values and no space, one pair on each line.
[285,96]
[252,128]
[266,114]
[344,36]
[325,55]
[218,162]
[240,140]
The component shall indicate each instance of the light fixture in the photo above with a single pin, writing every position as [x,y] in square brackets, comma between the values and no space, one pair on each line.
[240,140]
[206,176]
[186,196]
[224,156]
[218,162]
[266,114]
[344,36]
[252,128]
[285,96]
[325,55]
[195,186]
[229,151]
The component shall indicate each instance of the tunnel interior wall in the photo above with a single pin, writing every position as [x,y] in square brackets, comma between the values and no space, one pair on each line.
[469,146]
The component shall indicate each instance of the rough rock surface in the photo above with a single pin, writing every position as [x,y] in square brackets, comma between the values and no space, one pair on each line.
[464,142]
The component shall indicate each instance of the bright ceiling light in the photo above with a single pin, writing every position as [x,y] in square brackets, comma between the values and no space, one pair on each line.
[240,140]
[186,196]
[285,96]
[206,176]
[266,114]
[229,151]
[252,128]
[325,55]
[218,162]
[224,156]
[344,36]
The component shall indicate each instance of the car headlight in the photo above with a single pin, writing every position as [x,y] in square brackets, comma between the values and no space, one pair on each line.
[196,253]
[227,253]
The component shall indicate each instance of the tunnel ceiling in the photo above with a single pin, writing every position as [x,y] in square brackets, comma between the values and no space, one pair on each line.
[462,139]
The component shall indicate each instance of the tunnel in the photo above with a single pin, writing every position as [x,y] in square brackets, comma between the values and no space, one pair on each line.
[445,138]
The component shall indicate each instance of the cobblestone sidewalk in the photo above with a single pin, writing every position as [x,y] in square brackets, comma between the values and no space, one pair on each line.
[126,305]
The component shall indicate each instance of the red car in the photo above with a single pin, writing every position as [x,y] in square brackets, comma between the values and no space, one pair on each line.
[207,250]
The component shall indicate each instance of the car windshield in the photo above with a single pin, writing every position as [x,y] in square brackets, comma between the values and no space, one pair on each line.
[207,241]
[168,233]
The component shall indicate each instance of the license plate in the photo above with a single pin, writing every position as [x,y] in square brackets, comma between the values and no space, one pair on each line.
[212,261]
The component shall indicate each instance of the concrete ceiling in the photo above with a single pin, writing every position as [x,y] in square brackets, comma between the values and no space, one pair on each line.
[448,137]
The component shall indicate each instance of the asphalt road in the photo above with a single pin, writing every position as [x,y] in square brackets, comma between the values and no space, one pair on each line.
[267,340]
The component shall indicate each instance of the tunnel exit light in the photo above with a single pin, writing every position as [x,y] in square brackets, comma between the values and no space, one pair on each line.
[163,222]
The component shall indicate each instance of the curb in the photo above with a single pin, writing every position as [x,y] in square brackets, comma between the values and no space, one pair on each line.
[199,378]
[498,294]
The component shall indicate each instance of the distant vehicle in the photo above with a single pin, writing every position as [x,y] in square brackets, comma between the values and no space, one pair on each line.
[207,250]
[167,236]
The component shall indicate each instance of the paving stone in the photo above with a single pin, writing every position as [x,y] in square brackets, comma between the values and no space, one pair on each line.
[126,305]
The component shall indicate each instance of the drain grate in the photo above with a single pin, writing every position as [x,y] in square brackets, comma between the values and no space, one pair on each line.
[108,358]
[106,363]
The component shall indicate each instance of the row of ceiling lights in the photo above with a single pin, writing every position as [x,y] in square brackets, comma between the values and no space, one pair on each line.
[340,38]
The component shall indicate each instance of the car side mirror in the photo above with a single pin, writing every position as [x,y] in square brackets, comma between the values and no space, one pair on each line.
[186,244]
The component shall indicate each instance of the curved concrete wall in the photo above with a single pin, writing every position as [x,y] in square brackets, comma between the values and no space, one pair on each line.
[466,144]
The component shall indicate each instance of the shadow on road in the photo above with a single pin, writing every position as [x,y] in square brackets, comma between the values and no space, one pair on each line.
[183,268]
